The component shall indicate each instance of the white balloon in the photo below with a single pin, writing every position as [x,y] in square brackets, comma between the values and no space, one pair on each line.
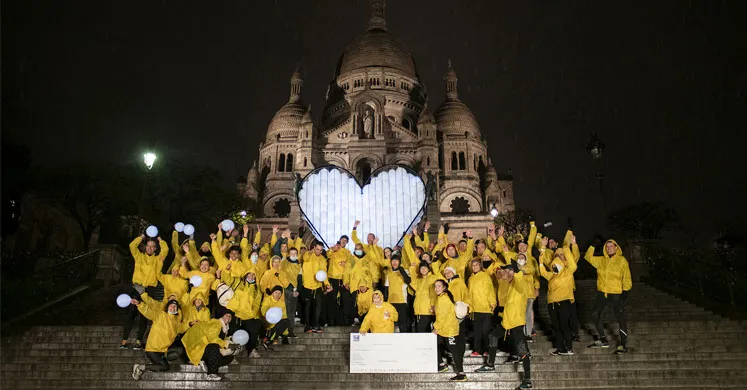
[152,231]
[179,227]
[274,315]
[189,229]
[123,300]
[240,337]
[321,276]
[195,280]
[227,225]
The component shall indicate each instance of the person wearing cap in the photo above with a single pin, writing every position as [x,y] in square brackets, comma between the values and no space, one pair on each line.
[313,290]
[613,284]
[339,256]
[245,304]
[446,328]
[559,275]
[374,252]
[381,316]
[482,300]
[203,343]
[361,282]
[291,266]
[396,281]
[511,326]
[204,272]
[425,296]
[163,332]
[148,264]
[274,298]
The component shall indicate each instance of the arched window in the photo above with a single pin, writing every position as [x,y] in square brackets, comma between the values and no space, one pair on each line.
[406,123]
[474,161]
[363,170]
[428,161]
[281,163]
[289,163]
[462,161]
[304,162]
[454,163]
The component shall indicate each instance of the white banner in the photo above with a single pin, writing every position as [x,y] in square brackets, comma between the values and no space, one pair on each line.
[414,353]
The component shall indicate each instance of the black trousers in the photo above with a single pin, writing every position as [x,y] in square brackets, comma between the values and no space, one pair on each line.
[158,362]
[278,329]
[347,307]
[560,315]
[291,303]
[517,344]
[455,345]
[134,315]
[253,327]
[312,307]
[424,323]
[331,304]
[575,324]
[618,307]
[214,360]
[403,317]
[481,324]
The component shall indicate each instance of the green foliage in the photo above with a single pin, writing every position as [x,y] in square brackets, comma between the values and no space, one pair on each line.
[644,220]
[514,221]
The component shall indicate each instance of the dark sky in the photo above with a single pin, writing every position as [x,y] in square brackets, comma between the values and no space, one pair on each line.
[662,82]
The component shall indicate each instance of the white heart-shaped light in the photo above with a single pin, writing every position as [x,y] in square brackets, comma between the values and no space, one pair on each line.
[389,205]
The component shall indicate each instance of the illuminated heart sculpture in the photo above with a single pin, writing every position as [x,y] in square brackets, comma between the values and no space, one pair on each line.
[388,205]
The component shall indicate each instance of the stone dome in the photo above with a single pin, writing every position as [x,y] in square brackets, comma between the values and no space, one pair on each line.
[426,118]
[377,48]
[290,116]
[453,116]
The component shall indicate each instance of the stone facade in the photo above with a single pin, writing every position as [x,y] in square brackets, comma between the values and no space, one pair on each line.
[377,114]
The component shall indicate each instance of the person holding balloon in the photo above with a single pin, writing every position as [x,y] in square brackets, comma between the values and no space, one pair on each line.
[148,263]
[201,278]
[229,261]
[273,309]
[166,326]
[381,316]
[246,303]
[315,285]
[204,341]
[447,329]
[173,284]
[187,247]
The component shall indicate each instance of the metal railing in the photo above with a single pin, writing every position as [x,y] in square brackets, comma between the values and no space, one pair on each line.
[24,291]
[713,274]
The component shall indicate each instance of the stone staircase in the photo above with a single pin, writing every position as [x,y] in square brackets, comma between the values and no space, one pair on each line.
[672,344]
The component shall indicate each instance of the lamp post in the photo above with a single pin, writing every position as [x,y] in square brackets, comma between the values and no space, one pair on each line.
[494,212]
[595,147]
[149,159]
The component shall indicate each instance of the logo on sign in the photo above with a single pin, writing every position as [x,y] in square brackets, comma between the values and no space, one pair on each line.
[356,337]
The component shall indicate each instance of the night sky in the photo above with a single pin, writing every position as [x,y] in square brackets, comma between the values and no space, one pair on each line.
[662,82]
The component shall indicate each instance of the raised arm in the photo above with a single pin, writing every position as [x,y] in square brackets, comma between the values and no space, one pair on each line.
[593,260]
[135,244]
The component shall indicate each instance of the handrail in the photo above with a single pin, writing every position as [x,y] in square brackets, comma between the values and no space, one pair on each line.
[72,259]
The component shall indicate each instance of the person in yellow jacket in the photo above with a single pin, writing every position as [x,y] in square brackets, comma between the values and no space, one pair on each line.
[482,302]
[275,276]
[425,296]
[511,326]
[245,304]
[559,275]
[396,281]
[274,298]
[173,284]
[230,260]
[166,325]
[529,265]
[459,259]
[186,248]
[206,275]
[361,283]
[446,328]
[195,310]
[313,290]
[374,252]
[292,269]
[613,284]
[339,302]
[148,264]
[381,316]
[204,341]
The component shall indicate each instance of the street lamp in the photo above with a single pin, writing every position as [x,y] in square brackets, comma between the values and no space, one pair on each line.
[494,212]
[149,158]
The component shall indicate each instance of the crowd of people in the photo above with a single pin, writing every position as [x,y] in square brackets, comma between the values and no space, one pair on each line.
[480,292]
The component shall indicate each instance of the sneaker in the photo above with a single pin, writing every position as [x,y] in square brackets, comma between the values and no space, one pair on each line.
[486,368]
[502,354]
[203,366]
[621,349]
[525,385]
[512,360]
[124,346]
[254,354]
[308,330]
[266,346]
[138,345]
[459,378]
[317,330]
[443,368]
[529,339]
[137,371]
[475,354]
[576,338]
[534,333]
[555,352]
[485,354]
[602,343]
[214,377]
[567,352]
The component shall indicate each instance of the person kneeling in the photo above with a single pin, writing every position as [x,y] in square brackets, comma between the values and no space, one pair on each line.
[165,328]
[381,316]
[275,299]
[204,342]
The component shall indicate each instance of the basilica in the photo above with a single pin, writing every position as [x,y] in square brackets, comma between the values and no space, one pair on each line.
[377,113]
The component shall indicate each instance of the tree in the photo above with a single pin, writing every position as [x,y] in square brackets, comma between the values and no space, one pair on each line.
[644,220]
[514,221]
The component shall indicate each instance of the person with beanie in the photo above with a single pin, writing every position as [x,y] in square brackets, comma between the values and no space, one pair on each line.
[204,342]
[166,326]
